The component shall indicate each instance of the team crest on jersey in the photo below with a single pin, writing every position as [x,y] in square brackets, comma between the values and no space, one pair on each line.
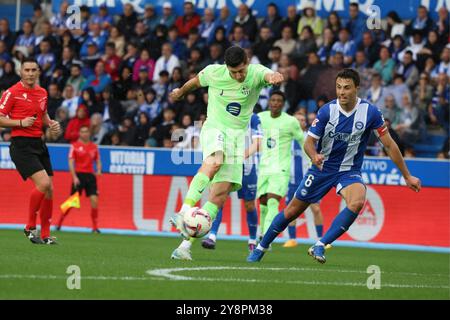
[359,125]
[245,91]
[271,143]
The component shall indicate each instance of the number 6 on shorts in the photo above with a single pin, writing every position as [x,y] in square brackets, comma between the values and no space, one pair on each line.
[309,180]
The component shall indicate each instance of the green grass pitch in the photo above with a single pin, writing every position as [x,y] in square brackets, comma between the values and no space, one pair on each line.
[137,267]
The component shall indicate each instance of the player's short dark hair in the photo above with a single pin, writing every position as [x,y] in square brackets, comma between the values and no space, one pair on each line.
[349,74]
[279,93]
[84,126]
[30,59]
[235,56]
[354,4]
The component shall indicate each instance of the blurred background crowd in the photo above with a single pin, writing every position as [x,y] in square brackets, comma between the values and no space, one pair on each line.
[115,72]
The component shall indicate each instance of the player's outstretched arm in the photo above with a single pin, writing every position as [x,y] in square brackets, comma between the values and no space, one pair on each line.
[394,153]
[191,85]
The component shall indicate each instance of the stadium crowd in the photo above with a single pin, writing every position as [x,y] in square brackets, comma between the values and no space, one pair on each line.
[115,73]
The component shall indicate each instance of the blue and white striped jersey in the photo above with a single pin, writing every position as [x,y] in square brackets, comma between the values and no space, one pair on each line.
[343,136]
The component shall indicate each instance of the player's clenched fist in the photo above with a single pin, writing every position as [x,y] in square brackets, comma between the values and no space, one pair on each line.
[318,160]
[176,94]
[275,78]
[55,127]
[27,122]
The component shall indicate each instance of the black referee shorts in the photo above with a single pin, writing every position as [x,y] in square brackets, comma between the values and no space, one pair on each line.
[88,183]
[30,155]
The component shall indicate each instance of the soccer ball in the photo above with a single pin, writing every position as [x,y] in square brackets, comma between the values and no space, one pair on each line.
[197,222]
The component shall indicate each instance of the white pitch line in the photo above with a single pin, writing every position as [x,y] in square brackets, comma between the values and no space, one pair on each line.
[167,274]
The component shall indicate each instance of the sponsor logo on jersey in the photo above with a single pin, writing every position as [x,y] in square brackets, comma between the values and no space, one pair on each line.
[343,136]
[271,143]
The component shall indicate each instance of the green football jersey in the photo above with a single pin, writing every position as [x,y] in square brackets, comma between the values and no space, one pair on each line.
[230,103]
[278,134]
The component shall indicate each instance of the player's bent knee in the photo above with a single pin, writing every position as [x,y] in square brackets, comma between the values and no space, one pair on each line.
[356,205]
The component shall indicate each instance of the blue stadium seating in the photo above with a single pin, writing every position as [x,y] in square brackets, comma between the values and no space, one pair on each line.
[430,147]
[8,11]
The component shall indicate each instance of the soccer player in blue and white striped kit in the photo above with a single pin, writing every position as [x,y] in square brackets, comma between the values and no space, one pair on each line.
[248,190]
[341,131]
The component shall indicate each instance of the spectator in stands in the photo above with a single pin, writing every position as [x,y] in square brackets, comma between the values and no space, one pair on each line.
[423,93]
[305,45]
[54,99]
[144,60]
[411,123]
[131,55]
[370,47]
[291,20]
[6,34]
[221,39]
[189,20]
[310,18]
[247,21]
[110,110]
[46,59]
[148,103]
[325,49]
[142,130]
[98,131]
[238,37]
[62,116]
[385,66]
[89,100]
[71,101]
[346,46]
[206,28]
[26,39]
[361,65]
[274,56]
[178,45]
[334,23]
[215,54]
[163,130]
[124,84]
[408,70]
[438,109]
[73,128]
[59,20]
[91,59]
[250,56]
[377,92]
[142,37]
[168,18]
[76,79]
[99,80]
[168,61]
[4,55]
[422,22]
[442,25]
[262,46]
[396,47]
[118,39]
[127,21]
[225,20]
[444,65]
[112,61]
[103,18]
[143,82]
[95,36]
[356,24]
[150,19]
[47,34]
[395,25]
[273,20]
[67,40]
[391,111]
[398,89]
[194,41]
[9,77]
[415,46]
[162,87]
[127,131]
[433,48]
[287,42]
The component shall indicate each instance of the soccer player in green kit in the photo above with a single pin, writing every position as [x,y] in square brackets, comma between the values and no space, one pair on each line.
[234,89]
[279,130]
